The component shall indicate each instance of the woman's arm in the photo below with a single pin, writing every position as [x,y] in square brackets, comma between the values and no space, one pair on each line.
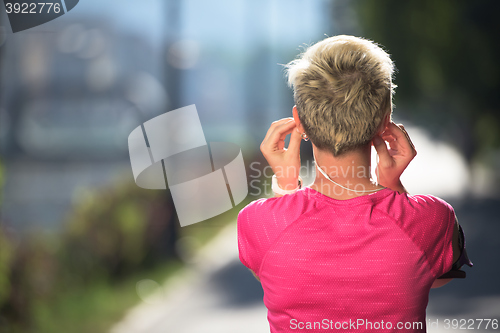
[392,163]
[457,251]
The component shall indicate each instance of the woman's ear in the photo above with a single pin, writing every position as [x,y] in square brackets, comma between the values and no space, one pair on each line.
[297,120]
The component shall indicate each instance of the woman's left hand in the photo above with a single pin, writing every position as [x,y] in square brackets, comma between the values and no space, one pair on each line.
[285,162]
[393,161]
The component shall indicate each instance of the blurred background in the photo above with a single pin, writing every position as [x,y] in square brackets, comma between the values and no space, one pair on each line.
[83,249]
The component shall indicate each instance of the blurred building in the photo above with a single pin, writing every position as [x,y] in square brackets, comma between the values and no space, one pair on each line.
[74,88]
[70,98]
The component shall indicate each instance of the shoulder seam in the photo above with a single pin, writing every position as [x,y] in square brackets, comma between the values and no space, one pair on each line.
[279,238]
[411,239]
[238,234]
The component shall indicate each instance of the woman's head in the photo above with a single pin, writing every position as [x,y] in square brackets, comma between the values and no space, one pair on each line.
[343,91]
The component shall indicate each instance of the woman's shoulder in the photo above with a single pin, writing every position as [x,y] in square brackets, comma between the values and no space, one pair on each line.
[286,207]
[405,207]
[426,202]
[263,205]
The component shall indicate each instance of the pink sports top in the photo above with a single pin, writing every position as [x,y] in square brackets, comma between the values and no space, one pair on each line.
[358,265]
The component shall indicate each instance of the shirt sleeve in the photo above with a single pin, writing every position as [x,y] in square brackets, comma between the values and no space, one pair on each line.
[261,223]
[432,228]
[250,238]
[243,246]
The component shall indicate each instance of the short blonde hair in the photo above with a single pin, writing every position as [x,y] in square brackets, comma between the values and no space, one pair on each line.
[343,89]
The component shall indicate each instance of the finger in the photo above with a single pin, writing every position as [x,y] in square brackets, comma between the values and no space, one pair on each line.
[272,129]
[402,139]
[294,145]
[274,124]
[408,137]
[384,156]
[388,137]
[276,139]
[395,130]
[281,130]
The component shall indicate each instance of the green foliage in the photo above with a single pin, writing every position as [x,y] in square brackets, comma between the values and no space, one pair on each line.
[6,249]
[6,252]
[84,278]
[111,235]
[96,307]
[117,230]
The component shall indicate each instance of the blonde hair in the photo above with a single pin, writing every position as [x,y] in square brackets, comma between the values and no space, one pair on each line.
[343,89]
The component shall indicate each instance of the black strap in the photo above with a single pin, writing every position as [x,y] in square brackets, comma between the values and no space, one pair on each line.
[455,272]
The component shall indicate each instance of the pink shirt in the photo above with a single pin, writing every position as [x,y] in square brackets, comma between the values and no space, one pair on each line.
[358,265]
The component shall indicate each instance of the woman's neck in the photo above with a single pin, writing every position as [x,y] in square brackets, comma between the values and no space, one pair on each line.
[351,171]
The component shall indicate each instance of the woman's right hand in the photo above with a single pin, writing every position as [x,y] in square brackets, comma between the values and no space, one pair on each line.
[393,161]
[285,162]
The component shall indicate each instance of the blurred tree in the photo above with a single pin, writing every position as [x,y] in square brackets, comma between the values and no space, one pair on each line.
[446,55]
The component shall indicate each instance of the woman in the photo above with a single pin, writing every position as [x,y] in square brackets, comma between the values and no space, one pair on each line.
[346,253]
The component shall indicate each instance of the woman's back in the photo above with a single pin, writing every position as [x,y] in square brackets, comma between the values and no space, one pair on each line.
[361,264]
